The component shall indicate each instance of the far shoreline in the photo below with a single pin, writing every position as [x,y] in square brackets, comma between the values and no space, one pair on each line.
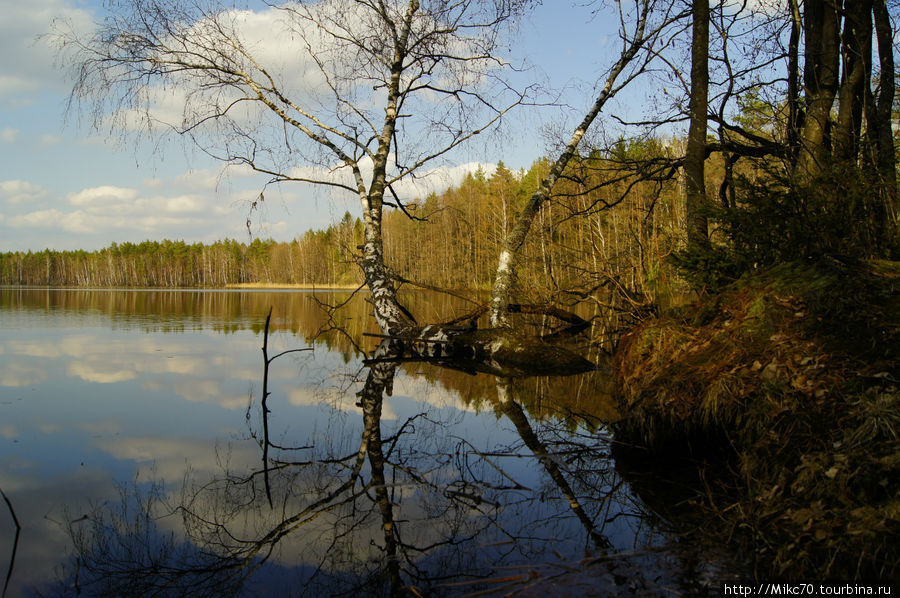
[237,286]
[295,286]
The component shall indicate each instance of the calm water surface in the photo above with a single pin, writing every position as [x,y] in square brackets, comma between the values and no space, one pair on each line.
[136,453]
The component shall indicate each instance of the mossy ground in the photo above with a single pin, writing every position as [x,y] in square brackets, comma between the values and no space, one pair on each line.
[796,370]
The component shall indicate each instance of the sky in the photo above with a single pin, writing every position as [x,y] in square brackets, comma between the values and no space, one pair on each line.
[65,185]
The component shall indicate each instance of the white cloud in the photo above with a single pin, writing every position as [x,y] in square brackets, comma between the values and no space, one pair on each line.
[49,139]
[74,222]
[99,372]
[280,46]
[103,196]
[167,108]
[105,361]
[152,183]
[50,428]
[168,455]
[210,391]
[438,179]
[17,191]
[121,212]
[423,391]
[343,400]
[766,7]
[271,37]
[196,205]
[199,180]
[279,229]
[10,85]
[51,218]
[9,135]
[240,171]
[179,364]
[35,348]
[32,68]
[14,374]
[434,180]
[184,204]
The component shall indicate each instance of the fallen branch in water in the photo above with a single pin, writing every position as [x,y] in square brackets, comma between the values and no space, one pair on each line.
[265,395]
[12,557]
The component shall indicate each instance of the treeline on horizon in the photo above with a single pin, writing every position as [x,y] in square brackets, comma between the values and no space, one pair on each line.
[615,227]
[450,240]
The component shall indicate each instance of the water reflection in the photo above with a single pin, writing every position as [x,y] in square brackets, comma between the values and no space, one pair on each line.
[416,508]
[396,478]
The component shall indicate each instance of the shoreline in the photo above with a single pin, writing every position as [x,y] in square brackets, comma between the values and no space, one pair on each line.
[294,286]
[790,374]
[249,286]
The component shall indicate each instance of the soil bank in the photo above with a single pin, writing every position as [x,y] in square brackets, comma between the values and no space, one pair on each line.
[794,373]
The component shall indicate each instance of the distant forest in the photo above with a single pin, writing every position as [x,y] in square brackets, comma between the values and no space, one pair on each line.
[615,227]
[450,240]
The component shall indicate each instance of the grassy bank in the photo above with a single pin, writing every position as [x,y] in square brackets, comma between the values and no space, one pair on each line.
[795,370]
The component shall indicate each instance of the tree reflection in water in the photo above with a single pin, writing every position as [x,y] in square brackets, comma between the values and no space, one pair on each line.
[416,510]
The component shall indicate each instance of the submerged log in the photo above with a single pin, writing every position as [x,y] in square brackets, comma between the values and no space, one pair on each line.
[460,344]
[496,351]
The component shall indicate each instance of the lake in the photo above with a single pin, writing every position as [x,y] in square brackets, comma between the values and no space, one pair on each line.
[138,458]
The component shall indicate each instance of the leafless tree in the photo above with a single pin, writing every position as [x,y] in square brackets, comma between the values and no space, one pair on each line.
[695,154]
[356,97]
[643,25]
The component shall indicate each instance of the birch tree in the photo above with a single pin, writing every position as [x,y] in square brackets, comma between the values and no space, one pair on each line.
[354,96]
[642,25]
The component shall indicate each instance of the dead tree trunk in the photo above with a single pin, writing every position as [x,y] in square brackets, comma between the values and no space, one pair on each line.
[855,80]
[695,156]
[795,112]
[821,24]
[882,108]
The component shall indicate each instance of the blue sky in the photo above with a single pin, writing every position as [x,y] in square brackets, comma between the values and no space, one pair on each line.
[64,185]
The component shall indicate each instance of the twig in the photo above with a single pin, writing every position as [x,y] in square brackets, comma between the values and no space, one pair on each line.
[12,557]
[429,287]
[265,408]
[265,395]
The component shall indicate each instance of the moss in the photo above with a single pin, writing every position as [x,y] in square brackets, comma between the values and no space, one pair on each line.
[797,367]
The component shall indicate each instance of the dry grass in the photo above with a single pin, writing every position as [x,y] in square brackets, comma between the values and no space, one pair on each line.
[798,369]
